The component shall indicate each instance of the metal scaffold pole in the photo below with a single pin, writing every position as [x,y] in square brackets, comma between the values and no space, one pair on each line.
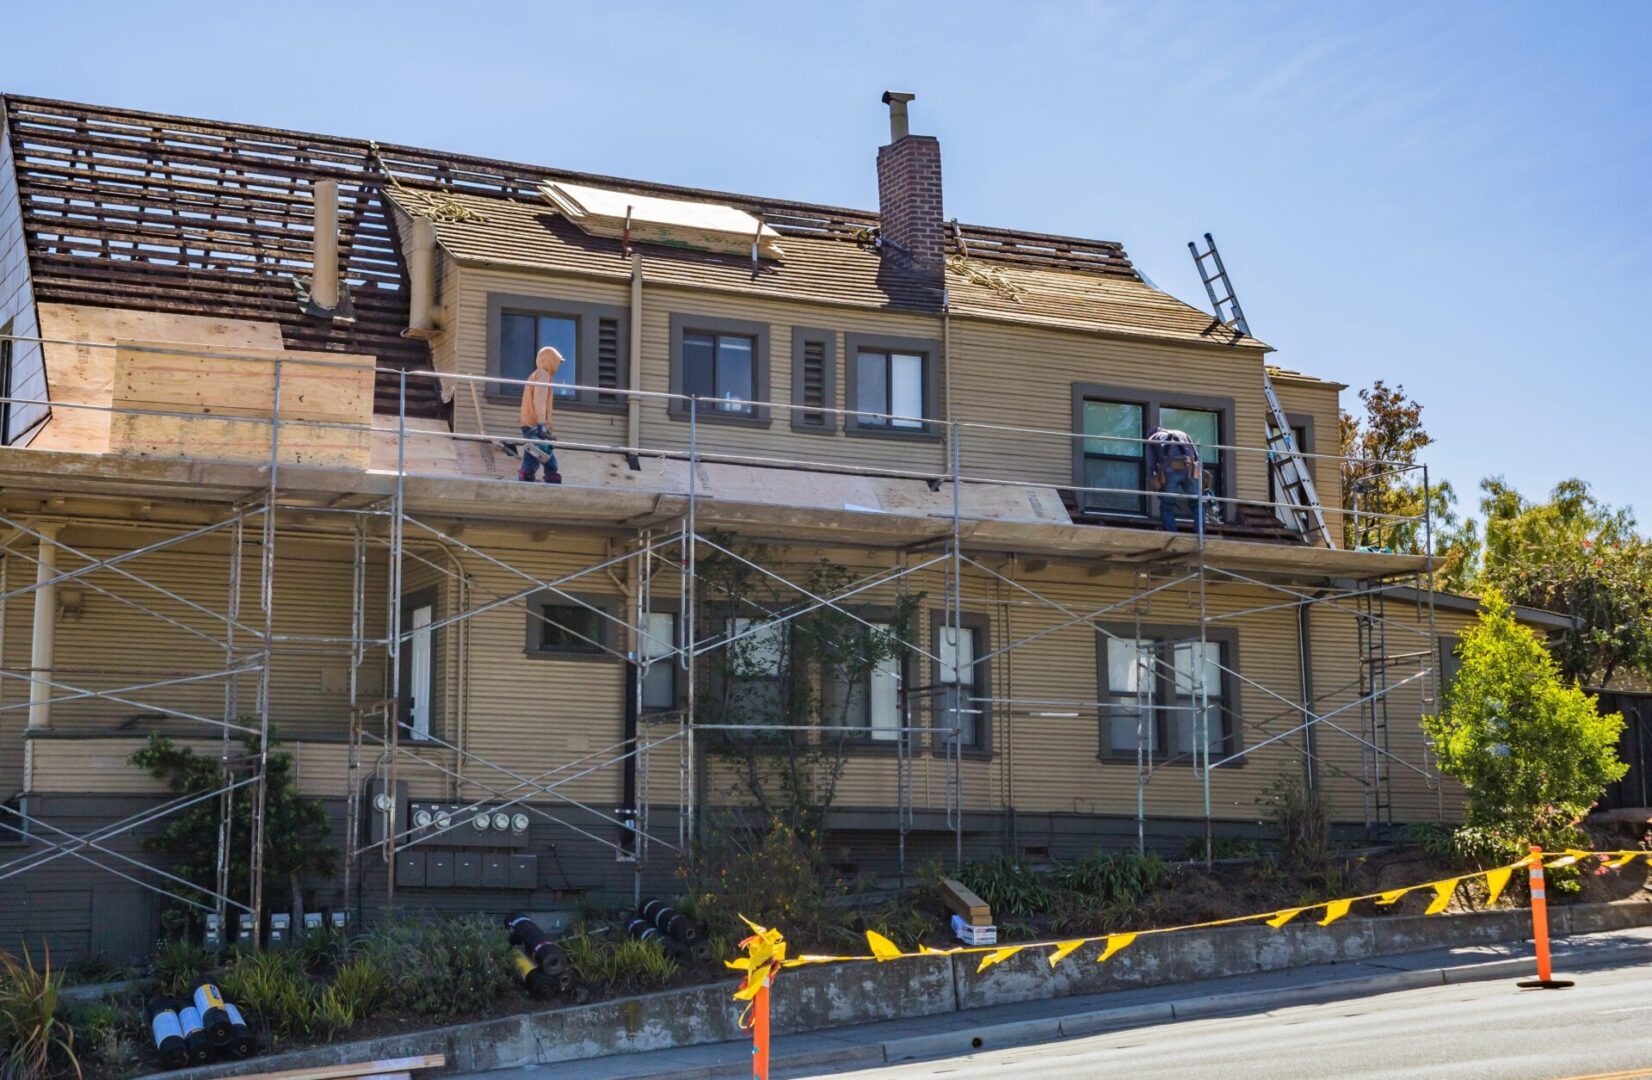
[266,600]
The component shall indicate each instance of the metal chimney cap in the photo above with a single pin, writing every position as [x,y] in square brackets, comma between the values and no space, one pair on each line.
[897,113]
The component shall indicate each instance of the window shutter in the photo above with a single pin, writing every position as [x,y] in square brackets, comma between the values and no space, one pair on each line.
[814,383]
[608,359]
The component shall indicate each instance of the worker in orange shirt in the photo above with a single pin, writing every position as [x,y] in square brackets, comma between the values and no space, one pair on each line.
[538,400]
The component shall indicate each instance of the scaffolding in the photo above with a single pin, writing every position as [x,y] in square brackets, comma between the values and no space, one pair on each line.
[386,532]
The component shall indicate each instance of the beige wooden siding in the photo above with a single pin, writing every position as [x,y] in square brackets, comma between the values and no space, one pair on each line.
[521,718]
[1320,402]
[1002,374]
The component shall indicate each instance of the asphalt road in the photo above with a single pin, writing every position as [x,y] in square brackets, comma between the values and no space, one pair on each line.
[1600,1029]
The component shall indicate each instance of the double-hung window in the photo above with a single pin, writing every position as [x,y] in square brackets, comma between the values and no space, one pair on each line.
[1152,690]
[757,655]
[564,626]
[590,338]
[869,706]
[1113,457]
[1204,427]
[656,646]
[962,686]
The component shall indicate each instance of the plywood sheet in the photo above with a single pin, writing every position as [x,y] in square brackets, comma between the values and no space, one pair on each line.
[80,361]
[326,406]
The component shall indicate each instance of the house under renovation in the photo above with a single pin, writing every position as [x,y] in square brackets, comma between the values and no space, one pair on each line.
[260,493]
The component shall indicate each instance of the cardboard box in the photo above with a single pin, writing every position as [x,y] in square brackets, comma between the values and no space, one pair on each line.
[973,935]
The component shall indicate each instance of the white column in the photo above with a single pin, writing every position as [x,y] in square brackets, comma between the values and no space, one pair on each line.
[45,630]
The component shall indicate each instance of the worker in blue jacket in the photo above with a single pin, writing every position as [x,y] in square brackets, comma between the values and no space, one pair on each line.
[1172,460]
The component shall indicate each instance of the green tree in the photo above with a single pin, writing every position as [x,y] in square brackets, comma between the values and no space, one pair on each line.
[1533,751]
[1382,477]
[805,674]
[1578,556]
[296,828]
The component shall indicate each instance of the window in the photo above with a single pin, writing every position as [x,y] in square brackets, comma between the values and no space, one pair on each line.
[1302,437]
[564,626]
[1113,456]
[522,335]
[870,705]
[724,359]
[962,684]
[1150,687]
[720,366]
[756,663]
[1450,665]
[891,385]
[1204,427]
[590,338]
[5,385]
[1112,422]
[659,678]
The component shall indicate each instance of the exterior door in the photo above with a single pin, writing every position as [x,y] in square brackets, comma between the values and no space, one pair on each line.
[418,671]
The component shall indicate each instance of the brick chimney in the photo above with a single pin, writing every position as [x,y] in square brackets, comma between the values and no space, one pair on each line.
[909,193]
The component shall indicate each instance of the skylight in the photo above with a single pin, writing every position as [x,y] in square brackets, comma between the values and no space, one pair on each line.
[677,222]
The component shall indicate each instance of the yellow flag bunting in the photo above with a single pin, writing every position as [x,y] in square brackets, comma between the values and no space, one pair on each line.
[766,949]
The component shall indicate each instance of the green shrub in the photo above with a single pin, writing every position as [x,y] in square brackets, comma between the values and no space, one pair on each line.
[273,985]
[179,967]
[34,1040]
[1532,752]
[363,984]
[441,968]
[1009,886]
[332,1013]
[1302,816]
[102,1031]
[625,965]
[1435,841]
[1221,847]
[323,949]
[1122,878]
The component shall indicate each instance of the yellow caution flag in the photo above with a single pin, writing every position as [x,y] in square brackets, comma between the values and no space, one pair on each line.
[882,947]
[1063,949]
[1335,910]
[1442,896]
[1496,881]
[1284,917]
[998,956]
[1625,858]
[1392,896]
[1115,942]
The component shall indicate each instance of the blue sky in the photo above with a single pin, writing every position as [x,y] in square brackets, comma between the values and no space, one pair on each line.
[1456,197]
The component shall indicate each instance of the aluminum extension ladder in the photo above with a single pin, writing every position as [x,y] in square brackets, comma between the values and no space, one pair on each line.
[1290,471]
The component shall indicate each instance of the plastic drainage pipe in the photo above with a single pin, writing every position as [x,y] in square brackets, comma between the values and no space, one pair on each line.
[526,934]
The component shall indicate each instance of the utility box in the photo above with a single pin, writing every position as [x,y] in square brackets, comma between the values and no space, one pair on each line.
[410,868]
[438,870]
[467,870]
[524,872]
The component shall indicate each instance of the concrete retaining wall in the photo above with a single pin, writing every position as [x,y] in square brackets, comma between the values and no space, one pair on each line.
[808,999]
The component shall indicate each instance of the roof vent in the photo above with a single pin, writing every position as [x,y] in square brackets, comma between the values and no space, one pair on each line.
[653,220]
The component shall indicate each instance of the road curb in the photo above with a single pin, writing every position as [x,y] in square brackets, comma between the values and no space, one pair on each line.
[1097,1021]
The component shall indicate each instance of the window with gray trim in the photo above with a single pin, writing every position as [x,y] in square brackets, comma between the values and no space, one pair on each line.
[723,359]
[1302,434]
[5,384]
[962,680]
[1450,664]
[566,626]
[1114,420]
[590,337]
[1150,687]
[814,380]
[891,386]
[655,644]
[871,706]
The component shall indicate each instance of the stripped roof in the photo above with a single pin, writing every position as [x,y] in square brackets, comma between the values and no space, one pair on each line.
[124,208]
[991,282]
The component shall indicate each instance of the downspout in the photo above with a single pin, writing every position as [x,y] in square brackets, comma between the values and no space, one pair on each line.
[633,403]
[1305,661]
[45,630]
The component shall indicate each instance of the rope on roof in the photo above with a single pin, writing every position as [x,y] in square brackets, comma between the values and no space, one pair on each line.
[430,204]
[986,276]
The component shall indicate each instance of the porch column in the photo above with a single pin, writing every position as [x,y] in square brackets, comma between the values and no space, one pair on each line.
[45,630]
